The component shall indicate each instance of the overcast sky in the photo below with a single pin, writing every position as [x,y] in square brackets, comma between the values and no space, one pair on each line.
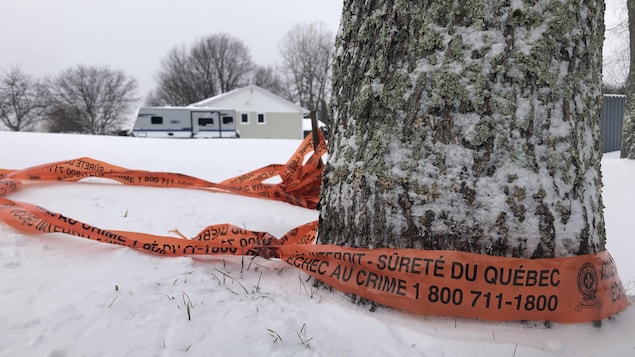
[43,37]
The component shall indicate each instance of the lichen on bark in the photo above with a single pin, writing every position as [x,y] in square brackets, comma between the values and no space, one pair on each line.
[467,125]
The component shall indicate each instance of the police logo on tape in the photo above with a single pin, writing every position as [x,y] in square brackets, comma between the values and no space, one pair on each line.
[588,282]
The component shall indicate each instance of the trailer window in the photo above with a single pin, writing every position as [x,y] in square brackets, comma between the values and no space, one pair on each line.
[156,120]
[228,120]
[244,118]
[205,121]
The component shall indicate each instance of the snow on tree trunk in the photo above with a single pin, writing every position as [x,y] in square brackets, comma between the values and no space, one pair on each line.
[628,129]
[467,125]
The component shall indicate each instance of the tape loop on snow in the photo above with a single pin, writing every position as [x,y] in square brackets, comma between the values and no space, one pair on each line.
[571,289]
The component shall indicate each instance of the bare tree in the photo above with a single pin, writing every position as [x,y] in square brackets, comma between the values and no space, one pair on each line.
[467,125]
[98,96]
[179,83]
[616,53]
[628,127]
[268,78]
[215,64]
[62,119]
[21,100]
[616,66]
[228,58]
[307,50]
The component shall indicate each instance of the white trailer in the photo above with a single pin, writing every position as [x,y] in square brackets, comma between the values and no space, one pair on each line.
[185,122]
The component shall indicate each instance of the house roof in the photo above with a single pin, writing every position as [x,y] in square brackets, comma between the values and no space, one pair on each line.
[252,99]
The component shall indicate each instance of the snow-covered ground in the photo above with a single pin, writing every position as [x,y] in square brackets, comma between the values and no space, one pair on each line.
[66,296]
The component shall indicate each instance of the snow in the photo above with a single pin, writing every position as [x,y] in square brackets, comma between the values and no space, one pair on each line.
[66,296]
[306,124]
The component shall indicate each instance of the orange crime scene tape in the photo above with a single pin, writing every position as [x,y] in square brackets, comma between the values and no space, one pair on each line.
[571,289]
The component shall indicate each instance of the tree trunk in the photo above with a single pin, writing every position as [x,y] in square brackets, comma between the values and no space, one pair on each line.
[467,125]
[628,129]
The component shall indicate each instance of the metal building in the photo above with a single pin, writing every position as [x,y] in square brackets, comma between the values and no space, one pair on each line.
[612,116]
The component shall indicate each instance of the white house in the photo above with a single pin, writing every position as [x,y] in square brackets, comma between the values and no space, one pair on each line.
[260,113]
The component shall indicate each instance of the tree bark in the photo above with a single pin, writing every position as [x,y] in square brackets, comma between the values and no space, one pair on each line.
[628,128]
[467,125]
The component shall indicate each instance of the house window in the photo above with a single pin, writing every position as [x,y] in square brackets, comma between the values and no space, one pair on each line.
[156,120]
[244,118]
[261,118]
[205,121]
[228,120]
